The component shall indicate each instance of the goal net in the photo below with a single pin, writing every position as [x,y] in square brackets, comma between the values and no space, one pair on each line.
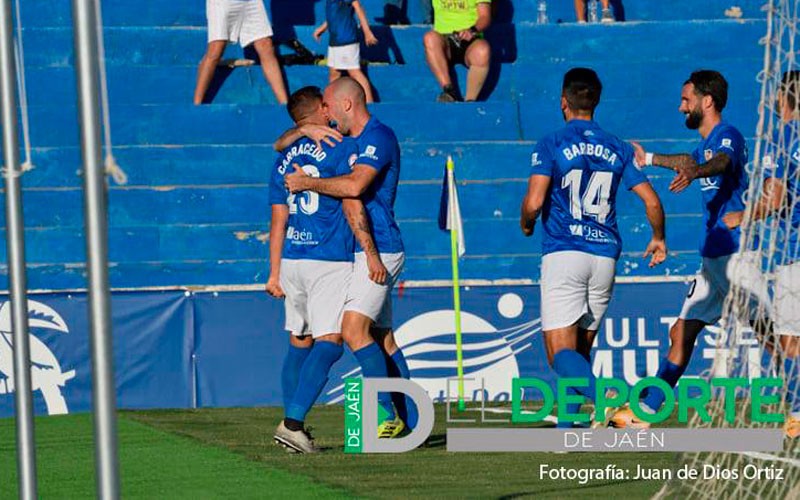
[763,297]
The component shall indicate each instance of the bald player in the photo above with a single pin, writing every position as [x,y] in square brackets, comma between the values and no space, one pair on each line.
[367,322]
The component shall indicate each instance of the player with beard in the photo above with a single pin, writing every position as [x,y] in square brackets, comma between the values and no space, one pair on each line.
[718,162]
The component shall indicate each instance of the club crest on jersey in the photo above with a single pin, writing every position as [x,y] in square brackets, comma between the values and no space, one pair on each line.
[708,154]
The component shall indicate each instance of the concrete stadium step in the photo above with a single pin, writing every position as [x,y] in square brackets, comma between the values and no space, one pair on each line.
[293,12]
[425,122]
[524,42]
[171,242]
[72,275]
[236,164]
[391,83]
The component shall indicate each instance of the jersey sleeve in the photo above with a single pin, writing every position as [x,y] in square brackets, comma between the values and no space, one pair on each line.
[731,143]
[347,155]
[632,175]
[278,194]
[542,160]
[377,151]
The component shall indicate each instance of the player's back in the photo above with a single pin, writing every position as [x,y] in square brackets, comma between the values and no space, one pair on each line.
[586,165]
[317,229]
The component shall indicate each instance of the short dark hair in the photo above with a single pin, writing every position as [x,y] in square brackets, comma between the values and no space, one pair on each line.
[304,102]
[790,88]
[711,83]
[582,89]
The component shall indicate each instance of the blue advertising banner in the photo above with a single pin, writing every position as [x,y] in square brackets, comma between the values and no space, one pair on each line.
[198,349]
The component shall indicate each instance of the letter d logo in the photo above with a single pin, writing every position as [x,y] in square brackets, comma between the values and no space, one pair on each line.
[361,415]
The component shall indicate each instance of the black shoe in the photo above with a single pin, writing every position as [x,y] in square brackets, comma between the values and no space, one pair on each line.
[448,95]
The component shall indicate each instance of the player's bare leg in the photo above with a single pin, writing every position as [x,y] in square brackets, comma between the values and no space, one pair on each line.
[207,67]
[477,60]
[333,74]
[359,76]
[580,10]
[271,68]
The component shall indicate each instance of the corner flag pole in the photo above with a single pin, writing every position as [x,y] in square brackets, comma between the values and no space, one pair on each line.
[456,288]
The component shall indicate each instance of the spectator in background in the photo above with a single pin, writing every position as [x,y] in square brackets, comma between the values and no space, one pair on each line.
[607,16]
[393,12]
[245,22]
[457,38]
[344,52]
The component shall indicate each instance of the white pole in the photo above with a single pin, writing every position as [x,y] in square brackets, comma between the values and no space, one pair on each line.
[84,15]
[15,242]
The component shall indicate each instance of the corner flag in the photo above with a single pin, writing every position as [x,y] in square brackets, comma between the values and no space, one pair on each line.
[450,220]
[449,210]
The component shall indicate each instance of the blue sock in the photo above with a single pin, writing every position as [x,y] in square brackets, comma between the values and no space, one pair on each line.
[406,409]
[290,373]
[373,365]
[570,364]
[313,377]
[791,372]
[670,373]
[571,408]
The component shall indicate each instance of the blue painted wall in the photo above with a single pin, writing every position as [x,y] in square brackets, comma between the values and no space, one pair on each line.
[195,211]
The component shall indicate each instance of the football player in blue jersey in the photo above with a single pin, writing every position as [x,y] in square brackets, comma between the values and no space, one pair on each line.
[311,262]
[367,323]
[718,164]
[574,178]
[779,198]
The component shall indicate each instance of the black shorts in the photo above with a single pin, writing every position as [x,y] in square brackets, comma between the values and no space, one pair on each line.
[458,48]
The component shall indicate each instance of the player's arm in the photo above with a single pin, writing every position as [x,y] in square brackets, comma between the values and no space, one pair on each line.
[317,133]
[771,200]
[532,204]
[369,37]
[657,248]
[683,165]
[351,185]
[322,28]
[277,235]
[481,24]
[359,222]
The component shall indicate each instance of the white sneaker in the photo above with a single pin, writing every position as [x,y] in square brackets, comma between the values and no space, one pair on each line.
[299,441]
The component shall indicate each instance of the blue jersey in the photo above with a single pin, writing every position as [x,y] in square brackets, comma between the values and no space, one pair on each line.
[722,193]
[378,148]
[341,19]
[317,228]
[785,167]
[586,166]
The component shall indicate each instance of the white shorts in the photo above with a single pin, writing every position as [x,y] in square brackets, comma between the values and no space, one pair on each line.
[787,300]
[315,294]
[749,280]
[707,291]
[345,57]
[237,21]
[369,298]
[576,288]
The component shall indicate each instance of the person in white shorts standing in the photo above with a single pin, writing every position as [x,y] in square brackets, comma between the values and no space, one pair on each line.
[719,164]
[574,178]
[311,253]
[779,198]
[367,323]
[244,22]
[344,52]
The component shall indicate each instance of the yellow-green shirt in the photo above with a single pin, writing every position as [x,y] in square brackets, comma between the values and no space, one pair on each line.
[455,15]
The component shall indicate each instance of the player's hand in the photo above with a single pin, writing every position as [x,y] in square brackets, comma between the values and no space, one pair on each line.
[639,154]
[320,134]
[465,35]
[527,227]
[296,181]
[377,271]
[657,251]
[318,33]
[732,220]
[274,288]
[370,39]
[684,177]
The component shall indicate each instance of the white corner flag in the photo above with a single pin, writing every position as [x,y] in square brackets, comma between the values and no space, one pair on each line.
[449,210]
